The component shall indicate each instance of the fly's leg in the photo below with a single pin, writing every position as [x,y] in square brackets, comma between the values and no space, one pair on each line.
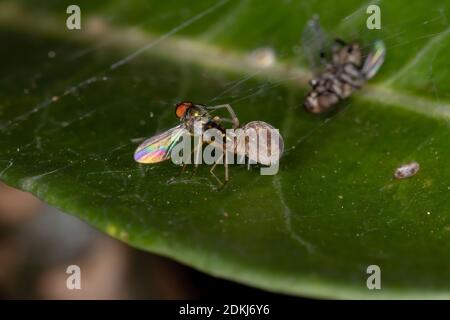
[323,59]
[183,168]
[185,165]
[194,171]
[340,42]
[234,118]
[197,154]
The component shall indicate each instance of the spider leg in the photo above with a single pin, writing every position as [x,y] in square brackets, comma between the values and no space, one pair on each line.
[223,157]
[225,165]
[226,120]
[214,175]
[234,118]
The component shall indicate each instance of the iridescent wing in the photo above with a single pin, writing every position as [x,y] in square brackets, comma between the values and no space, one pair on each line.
[263,151]
[374,60]
[158,147]
[315,44]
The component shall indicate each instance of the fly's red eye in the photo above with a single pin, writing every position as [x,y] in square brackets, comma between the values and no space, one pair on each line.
[181,109]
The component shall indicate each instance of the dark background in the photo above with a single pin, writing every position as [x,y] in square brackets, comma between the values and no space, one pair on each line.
[39,242]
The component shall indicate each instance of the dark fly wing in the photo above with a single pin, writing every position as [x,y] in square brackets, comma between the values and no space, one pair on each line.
[315,45]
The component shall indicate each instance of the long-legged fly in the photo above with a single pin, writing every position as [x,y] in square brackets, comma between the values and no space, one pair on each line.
[159,147]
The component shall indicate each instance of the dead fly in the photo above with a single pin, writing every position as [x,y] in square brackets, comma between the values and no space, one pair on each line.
[159,147]
[340,74]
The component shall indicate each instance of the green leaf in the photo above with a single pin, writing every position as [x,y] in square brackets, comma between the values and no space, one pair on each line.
[74,104]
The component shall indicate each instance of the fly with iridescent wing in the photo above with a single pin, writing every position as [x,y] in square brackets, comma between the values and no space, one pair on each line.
[159,147]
